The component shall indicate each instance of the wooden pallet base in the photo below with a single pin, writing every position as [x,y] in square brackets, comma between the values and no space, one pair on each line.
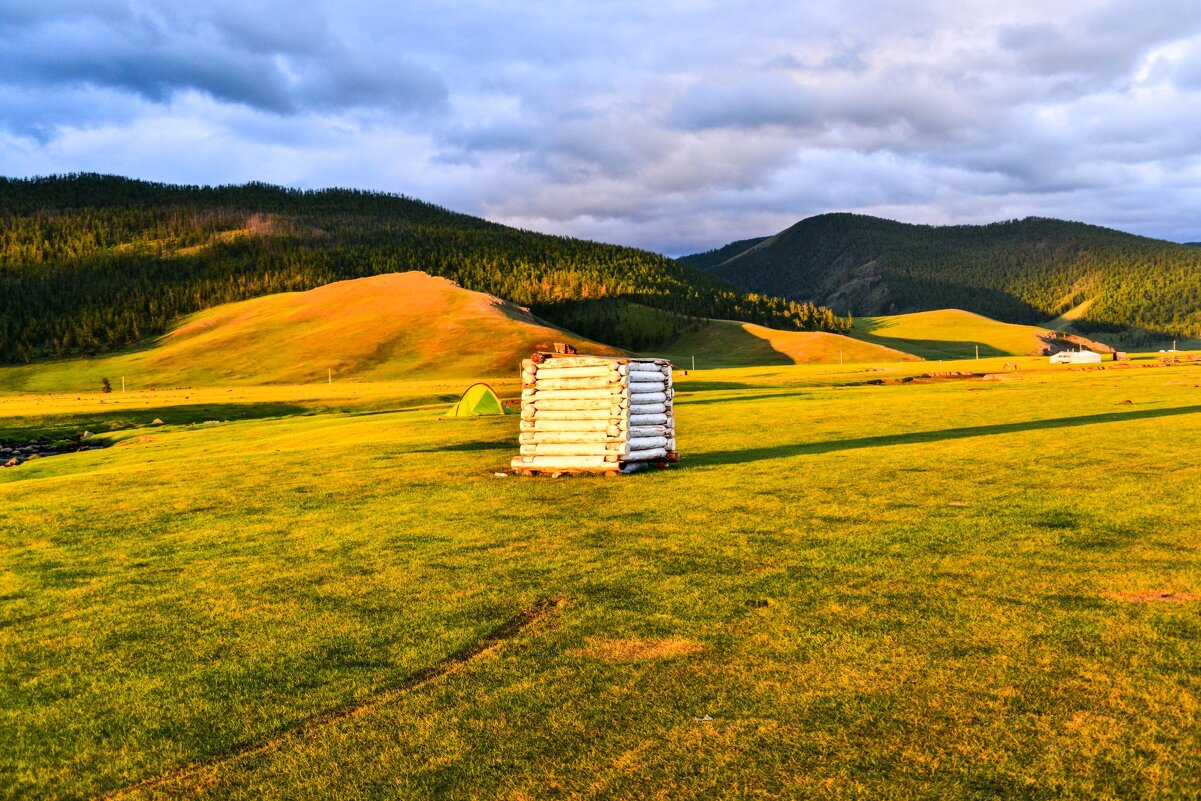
[608,471]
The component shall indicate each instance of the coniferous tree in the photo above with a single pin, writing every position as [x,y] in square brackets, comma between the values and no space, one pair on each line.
[90,263]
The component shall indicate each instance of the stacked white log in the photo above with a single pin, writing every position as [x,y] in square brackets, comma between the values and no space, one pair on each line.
[595,413]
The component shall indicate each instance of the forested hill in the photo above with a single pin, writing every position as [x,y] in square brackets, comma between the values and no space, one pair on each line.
[709,260]
[1095,280]
[89,263]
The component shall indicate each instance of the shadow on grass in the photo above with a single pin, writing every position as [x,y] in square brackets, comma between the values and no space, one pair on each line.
[684,400]
[917,437]
[948,349]
[465,447]
[689,385]
[99,422]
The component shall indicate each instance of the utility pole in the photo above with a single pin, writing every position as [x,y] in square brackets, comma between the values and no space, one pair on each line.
[122,383]
[330,374]
[840,358]
[977,353]
[694,364]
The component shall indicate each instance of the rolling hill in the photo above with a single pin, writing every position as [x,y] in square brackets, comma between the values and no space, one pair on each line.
[936,335]
[953,334]
[92,263]
[416,326]
[726,343]
[394,326]
[1089,279]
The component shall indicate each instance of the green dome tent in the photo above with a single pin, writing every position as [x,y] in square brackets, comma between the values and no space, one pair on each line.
[479,399]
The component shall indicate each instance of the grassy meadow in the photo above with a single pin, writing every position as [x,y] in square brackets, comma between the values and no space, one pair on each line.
[953,589]
[949,334]
[726,343]
[397,326]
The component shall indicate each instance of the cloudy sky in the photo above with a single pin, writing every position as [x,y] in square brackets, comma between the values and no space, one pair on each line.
[675,126]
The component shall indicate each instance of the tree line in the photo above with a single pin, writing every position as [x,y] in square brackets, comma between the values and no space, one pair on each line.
[91,263]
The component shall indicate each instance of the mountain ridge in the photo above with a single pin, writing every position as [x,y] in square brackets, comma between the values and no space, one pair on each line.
[1029,271]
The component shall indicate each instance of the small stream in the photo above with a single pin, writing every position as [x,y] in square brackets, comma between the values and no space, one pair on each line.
[14,454]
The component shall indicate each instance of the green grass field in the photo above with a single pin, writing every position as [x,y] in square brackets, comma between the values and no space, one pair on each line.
[959,589]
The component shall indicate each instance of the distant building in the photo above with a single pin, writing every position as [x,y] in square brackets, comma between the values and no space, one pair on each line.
[1076,357]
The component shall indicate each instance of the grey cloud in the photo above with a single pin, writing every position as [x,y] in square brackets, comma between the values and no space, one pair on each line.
[351,80]
[231,57]
[153,74]
[505,135]
[1021,38]
[270,26]
[1103,45]
[565,144]
[904,116]
[785,61]
[17,14]
[1139,21]
[39,115]
[850,59]
[1046,50]
[768,100]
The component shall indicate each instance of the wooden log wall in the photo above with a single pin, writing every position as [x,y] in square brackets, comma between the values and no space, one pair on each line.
[594,413]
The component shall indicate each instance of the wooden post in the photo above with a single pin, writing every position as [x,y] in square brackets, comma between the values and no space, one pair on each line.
[330,374]
[977,353]
[694,364]
[122,383]
[840,358]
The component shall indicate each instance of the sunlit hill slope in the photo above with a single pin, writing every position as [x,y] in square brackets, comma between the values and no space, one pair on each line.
[953,334]
[392,326]
[726,343]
